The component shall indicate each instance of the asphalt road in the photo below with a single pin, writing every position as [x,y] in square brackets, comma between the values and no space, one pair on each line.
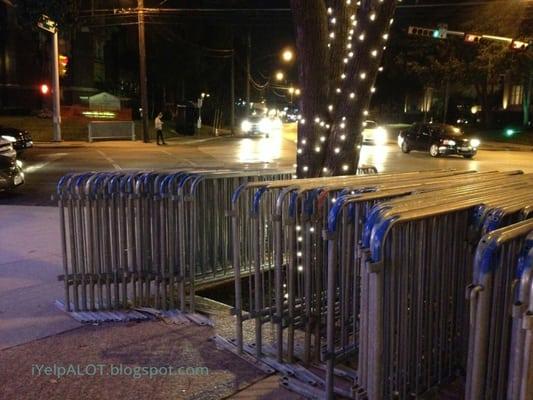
[46,163]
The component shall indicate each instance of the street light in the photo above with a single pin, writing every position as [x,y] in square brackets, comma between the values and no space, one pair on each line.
[279,76]
[287,55]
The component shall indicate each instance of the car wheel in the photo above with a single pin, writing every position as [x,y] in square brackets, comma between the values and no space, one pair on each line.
[405,147]
[434,150]
[469,157]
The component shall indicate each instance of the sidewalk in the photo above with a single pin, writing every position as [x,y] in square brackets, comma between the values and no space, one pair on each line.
[34,334]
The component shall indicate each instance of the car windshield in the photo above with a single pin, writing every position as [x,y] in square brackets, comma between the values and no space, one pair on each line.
[449,130]
[371,124]
[255,118]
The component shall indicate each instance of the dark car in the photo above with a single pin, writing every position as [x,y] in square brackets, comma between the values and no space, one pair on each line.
[11,174]
[437,139]
[20,139]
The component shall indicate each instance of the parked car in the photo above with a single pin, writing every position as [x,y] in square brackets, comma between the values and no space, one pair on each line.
[437,139]
[20,139]
[11,174]
[374,134]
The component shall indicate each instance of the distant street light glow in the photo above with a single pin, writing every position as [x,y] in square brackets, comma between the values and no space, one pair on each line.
[279,76]
[287,55]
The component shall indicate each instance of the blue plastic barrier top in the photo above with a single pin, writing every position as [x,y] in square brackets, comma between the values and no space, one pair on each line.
[254,212]
[237,192]
[371,219]
[377,238]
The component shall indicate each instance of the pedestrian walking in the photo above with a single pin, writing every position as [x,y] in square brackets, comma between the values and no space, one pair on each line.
[159,129]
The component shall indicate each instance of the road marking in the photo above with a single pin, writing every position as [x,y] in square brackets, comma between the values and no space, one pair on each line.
[110,160]
[41,165]
[192,164]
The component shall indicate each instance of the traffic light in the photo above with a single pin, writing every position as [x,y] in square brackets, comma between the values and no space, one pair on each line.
[63,64]
[440,33]
[519,46]
[44,88]
[472,39]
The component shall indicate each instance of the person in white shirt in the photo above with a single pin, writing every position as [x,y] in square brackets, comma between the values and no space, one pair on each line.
[159,129]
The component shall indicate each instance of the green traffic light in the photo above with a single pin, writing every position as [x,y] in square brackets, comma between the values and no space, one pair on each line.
[509,132]
[436,34]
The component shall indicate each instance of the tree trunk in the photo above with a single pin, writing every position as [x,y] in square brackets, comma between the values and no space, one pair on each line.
[337,69]
[526,100]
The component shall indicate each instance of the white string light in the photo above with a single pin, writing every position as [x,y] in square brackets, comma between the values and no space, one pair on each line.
[362,76]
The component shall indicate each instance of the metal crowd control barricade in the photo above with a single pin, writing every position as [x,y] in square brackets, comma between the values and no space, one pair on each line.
[146,238]
[523,350]
[413,324]
[315,309]
[499,297]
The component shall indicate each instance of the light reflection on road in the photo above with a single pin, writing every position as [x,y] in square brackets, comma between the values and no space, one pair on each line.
[262,149]
[375,156]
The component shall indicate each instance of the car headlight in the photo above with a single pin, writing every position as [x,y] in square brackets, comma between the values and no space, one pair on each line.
[9,138]
[246,126]
[19,163]
[475,142]
[380,136]
[265,125]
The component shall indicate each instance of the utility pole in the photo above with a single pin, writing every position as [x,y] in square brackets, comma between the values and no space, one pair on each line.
[45,23]
[56,91]
[142,71]
[248,72]
[232,90]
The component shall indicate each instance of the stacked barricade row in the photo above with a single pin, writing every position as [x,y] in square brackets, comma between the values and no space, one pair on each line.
[382,290]
[499,297]
[143,238]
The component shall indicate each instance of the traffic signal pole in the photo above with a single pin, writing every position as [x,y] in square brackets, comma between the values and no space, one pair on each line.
[56,91]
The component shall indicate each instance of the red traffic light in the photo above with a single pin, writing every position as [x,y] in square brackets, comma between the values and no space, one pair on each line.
[45,89]
[470,38]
